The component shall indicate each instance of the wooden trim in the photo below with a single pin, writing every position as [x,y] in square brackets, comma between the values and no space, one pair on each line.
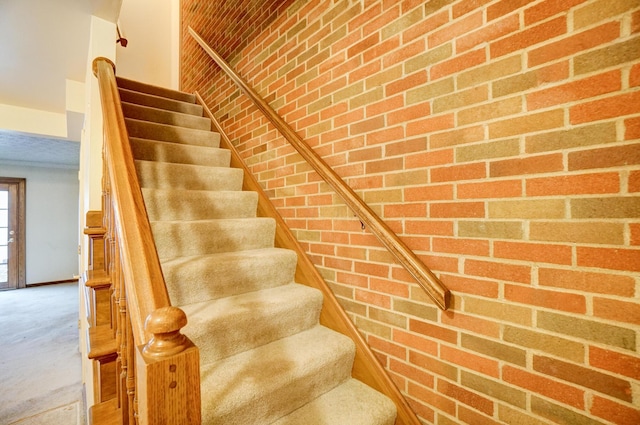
[21,197]
[140,263]
[405,256]
[53,282]
[366,366]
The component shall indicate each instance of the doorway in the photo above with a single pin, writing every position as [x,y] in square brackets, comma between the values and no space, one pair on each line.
[12,233]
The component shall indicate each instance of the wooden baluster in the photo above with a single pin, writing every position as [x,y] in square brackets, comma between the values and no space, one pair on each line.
[168,372]
[131,374]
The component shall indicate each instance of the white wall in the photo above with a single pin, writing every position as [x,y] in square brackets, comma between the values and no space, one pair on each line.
[152,30]
[51,221]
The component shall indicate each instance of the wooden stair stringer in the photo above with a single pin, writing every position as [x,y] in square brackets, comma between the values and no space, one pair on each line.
[366,367]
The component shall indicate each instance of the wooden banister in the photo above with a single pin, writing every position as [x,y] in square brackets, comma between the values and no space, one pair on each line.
[159,375]
[406,257]
[137,247]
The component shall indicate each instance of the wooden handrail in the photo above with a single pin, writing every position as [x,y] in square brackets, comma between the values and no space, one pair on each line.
[141,264]
[407,258]
[158,367]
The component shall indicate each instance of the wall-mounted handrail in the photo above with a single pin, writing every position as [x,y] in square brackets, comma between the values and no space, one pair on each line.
[407,258]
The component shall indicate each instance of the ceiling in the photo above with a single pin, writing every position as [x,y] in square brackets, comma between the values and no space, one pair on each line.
[44,43]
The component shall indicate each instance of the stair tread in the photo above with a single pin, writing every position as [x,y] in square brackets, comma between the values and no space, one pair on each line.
[218,275]
[162,116]
[178,153]
[187,176]
[155,90]
[105,413]
[159,102]
[211,236]
[171,204]
[171,133]
[261,385]
[100,341]
[352,403]
[227,326]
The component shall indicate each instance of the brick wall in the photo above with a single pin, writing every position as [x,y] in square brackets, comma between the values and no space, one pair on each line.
[499,139]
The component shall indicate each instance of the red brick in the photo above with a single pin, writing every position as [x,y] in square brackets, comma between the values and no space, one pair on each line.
[634,234]
[457,210]
[471,323]
[611,107]
[583,184]
[384,106]
[387,347]
[573,303]
[427,159]
[409,113]
[469,416]
[488,190]
[547,9]
[621,311]
[632,129]
[525,251]
[551,388]
[488,33]
[501,8]
[406,83]
[465,6]
[428,193]
[412,373]
[457,28]
[381,49]
[634,181]
[616,156]
[635,22]
[405,210]
[574,44]
[578,280]
[405,52]
[433,398]
[458,63]
[461,246]
[472,286]
[634,76]
[431,227]
[609,258]
[584,376]
[612,361]
[429,125]
[498,270]
[529,37]
[470,361]
[373,298]
[421,344]
[575,90]
[529,165]
[457,173]
[433,331]
[425,26]
[617,413]
[467,397]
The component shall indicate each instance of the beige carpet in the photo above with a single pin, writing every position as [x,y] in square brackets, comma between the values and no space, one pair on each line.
[40,366]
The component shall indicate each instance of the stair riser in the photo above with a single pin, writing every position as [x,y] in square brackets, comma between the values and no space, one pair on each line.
[235,324]
[151,150]
[160,102]
[168,133]
[198,205]
[162,116]
[182,239]
[163,176]
[227,274]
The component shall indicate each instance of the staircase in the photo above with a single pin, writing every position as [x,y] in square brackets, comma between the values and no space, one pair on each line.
[264,357]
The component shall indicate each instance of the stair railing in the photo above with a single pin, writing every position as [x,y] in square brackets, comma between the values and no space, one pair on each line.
[158,366]
[405,256]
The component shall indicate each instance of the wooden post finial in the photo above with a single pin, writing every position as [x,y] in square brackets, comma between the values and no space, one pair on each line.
[165,324]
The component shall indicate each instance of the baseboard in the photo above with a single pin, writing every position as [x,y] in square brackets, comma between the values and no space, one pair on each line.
[54,282]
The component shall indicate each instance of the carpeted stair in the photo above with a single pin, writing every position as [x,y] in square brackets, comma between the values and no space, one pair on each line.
[265,359]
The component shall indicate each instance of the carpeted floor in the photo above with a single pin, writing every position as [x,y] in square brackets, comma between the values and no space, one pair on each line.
[40,364]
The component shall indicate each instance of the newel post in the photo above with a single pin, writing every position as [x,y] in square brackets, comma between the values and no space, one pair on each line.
[168,372]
